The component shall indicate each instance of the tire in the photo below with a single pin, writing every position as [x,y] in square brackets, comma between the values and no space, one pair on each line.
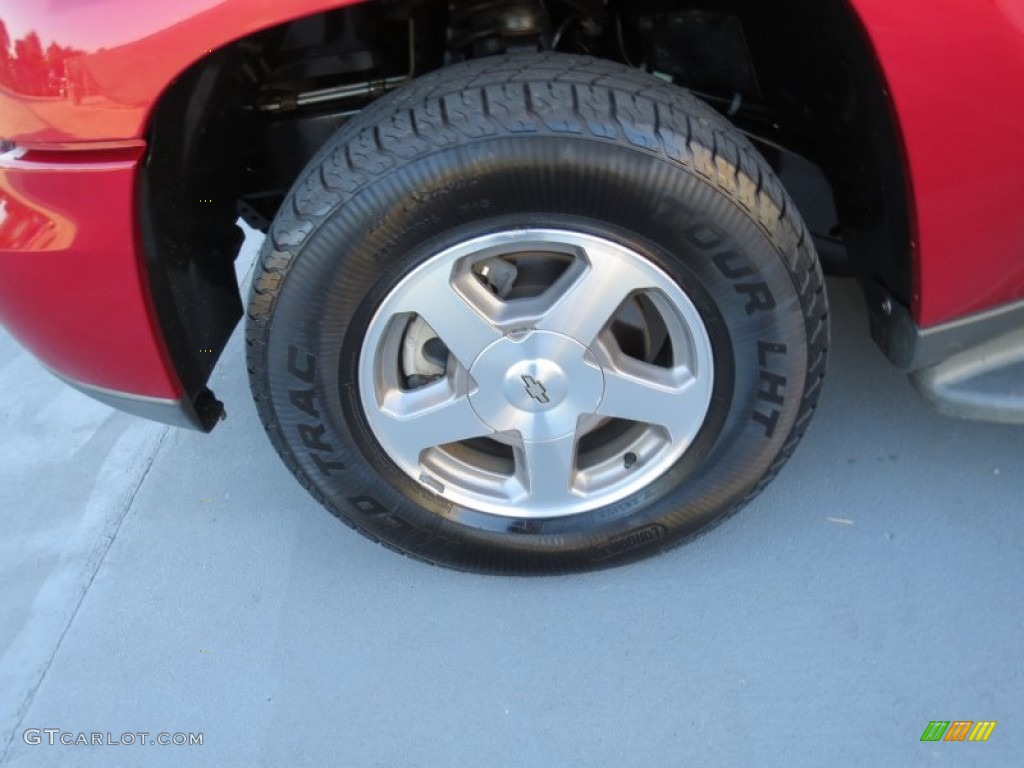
[544,162]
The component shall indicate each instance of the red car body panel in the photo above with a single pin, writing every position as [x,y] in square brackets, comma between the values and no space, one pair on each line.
[73,289]
[955,70]
[121,55]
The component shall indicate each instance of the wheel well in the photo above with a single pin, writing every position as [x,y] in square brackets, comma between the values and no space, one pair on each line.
[230,136]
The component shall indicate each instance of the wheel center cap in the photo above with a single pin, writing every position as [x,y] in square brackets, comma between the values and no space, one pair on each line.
[536,382]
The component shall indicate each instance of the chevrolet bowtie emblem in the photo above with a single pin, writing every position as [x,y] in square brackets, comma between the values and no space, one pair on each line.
[536,390]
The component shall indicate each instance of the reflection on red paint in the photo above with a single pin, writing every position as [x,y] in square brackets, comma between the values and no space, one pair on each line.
[28,227]
[22,228]
[27,68]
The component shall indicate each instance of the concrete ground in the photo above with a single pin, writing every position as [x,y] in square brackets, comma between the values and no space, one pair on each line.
[155,580]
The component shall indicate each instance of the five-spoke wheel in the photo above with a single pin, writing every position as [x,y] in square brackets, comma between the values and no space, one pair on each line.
[572,371]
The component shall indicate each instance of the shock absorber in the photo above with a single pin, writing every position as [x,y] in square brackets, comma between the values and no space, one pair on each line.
[487,27]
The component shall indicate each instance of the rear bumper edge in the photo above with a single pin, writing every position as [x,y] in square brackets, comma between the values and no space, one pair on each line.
[201,414]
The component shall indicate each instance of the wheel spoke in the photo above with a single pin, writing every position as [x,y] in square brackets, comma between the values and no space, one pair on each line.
[668,398]
[549,470]
[460,325]
[414,421]
[587,304]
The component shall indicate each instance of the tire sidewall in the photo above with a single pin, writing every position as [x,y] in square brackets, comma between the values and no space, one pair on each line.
[731,268]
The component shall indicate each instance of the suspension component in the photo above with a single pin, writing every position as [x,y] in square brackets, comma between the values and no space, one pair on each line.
[488,27]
